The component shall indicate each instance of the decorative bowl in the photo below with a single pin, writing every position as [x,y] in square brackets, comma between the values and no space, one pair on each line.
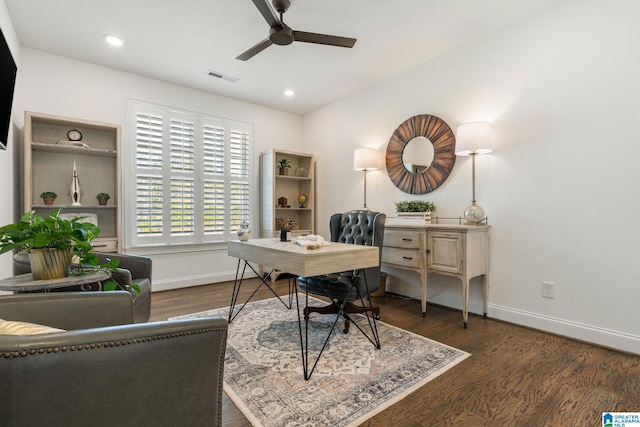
[287,223]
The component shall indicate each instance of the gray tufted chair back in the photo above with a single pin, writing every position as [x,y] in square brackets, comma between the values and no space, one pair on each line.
[360,227]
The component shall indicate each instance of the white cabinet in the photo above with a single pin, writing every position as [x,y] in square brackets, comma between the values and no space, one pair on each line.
[48,166]
[276,187]
[453,250]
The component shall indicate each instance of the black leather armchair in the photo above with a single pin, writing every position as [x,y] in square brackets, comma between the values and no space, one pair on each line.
[133,269]
[138,269]
[359,227]
[104,370]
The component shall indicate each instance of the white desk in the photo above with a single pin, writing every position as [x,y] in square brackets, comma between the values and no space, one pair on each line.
[300,261]
[295,259]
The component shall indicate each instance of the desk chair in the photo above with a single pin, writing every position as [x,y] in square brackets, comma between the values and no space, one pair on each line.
[359,227]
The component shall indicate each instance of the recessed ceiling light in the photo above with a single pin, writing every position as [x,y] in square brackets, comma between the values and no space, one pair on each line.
[113,40]
[289,92]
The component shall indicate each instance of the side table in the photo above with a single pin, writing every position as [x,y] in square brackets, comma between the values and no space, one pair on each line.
[26,282]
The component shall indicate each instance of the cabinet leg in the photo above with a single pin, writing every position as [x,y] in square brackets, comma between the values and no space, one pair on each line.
[465,325]
[424,314]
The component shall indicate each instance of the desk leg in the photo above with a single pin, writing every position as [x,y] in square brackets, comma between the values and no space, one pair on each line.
[304,338]
[237,283]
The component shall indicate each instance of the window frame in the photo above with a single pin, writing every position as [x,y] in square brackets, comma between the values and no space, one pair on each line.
[132,239]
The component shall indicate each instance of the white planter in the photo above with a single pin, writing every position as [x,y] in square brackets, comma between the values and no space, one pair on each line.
[418,217]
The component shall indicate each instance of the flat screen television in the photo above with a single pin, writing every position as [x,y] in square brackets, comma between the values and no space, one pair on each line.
[8,72]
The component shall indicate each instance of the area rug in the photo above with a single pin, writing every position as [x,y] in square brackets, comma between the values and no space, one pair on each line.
[352,381]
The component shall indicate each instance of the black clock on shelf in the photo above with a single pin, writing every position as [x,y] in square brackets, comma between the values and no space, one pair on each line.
[74,135]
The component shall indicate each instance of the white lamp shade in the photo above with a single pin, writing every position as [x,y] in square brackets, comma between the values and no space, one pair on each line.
[365,159]
[474,138]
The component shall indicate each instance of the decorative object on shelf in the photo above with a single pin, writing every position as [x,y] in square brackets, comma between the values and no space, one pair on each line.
[244,231]
[282,202]
[48,197]
[284,165]
[41,235]
[441,137]
[413,212]
[287,223]
[74,135]
[75,190]
[302,199]
[301,172]
[365,159]
[103,198]
[473,139]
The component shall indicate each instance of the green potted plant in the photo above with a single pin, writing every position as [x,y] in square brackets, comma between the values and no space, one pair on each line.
[419,209]
[102,198]
[51,242]
[48,197]
[284,165]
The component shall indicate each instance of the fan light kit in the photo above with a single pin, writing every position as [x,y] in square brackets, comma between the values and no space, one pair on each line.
[281,34]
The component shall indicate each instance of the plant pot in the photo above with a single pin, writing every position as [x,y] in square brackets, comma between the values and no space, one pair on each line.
[47,264]
[284,171]
[48,200]
[102,202]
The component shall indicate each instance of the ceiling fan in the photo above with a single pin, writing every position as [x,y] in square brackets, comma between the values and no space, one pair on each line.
[281,34]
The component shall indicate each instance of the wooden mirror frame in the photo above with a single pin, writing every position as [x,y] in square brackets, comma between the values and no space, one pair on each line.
[444,143]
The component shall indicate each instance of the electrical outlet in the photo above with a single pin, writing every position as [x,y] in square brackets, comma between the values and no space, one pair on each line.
[548,289]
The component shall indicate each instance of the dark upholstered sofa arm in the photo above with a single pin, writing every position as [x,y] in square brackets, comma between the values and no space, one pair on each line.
[153,374]
[69,310]
[139,266]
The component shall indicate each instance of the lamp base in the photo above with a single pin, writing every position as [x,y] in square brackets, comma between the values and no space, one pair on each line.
[474,214]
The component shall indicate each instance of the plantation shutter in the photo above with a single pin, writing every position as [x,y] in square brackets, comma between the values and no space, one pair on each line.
[192,175]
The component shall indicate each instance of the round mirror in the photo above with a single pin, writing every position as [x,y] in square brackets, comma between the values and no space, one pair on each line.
[421,130]
[418,154]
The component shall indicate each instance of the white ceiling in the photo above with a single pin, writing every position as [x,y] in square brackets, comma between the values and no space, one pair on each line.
[179,41]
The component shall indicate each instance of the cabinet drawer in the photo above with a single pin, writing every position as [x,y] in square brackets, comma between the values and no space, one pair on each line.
[105,244]
[402,257]
[402,239]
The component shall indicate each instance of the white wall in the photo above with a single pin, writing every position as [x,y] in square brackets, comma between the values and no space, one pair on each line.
[560,190]
[56,85]
[9,159]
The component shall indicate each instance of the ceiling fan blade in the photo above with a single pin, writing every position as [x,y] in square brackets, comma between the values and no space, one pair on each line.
[267,13]
[250,53]
[302,36]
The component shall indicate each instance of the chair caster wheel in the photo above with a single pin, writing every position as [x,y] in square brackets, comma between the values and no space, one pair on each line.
[345,331]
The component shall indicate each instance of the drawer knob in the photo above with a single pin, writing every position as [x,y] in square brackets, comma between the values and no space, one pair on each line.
[428,251]
[407,257]
[407,240]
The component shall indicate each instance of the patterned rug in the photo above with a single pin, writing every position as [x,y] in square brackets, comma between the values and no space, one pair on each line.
[352,381]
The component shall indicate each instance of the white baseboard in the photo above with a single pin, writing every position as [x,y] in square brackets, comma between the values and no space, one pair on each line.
[186,282]
[579,331]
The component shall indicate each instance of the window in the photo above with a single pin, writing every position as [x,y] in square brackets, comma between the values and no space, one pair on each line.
[192,176]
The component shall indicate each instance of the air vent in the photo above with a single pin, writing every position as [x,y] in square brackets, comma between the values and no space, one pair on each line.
[223,76]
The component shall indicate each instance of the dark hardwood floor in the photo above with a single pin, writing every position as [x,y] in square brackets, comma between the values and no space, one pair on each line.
[514,377]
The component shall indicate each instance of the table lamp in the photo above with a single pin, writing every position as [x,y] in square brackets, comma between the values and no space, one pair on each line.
[473,139]
[365,159]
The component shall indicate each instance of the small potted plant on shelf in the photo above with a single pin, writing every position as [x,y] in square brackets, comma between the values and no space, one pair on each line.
[102,198]
[48,197]
[421,209]
[284,165]
[51,242]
